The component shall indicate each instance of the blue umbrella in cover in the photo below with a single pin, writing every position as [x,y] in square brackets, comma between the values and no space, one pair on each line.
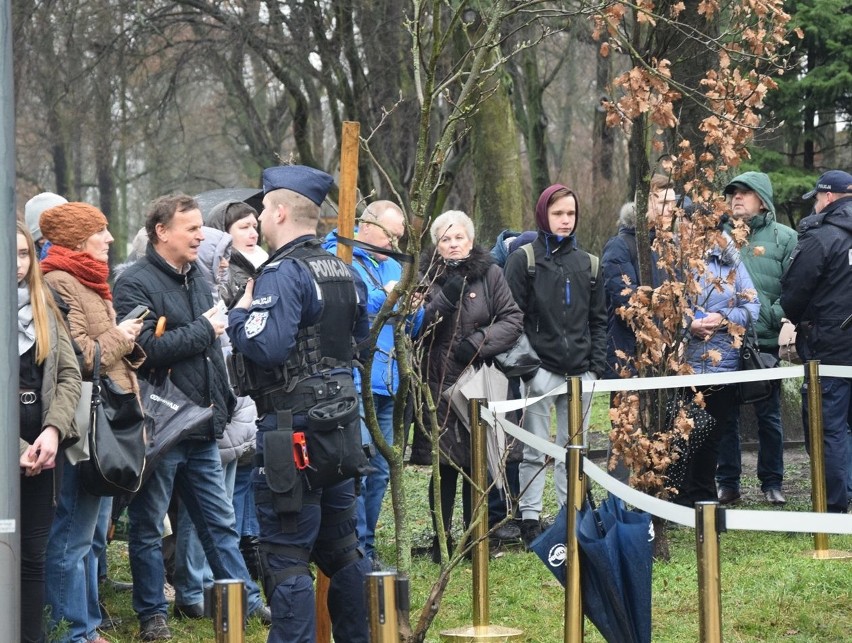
[616,560]
[616,550]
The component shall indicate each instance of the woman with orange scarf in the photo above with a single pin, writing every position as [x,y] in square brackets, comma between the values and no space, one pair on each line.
[76,268]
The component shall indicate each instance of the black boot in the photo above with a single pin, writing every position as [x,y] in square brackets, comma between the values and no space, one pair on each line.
[436,549]
[249,549]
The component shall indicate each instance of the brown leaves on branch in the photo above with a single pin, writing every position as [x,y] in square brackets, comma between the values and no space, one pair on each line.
[742,57]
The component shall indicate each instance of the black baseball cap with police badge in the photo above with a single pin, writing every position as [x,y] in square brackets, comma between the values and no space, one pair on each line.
[307,181]
[836,181]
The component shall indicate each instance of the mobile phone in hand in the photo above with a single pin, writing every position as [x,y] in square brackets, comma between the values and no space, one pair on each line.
[140,312]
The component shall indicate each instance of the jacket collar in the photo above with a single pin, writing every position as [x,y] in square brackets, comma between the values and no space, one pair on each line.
[164,266]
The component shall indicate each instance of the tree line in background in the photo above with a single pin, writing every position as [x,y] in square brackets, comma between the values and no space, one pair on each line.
[118,102]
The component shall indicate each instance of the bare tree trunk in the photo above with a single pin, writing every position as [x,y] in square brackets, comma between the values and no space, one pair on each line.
[496,163]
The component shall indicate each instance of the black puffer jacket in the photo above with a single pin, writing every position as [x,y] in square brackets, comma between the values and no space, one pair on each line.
[816,289]
[487,318]
[569,336]
[189,347]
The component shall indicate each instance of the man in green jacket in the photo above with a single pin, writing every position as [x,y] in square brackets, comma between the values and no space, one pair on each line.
[766,256]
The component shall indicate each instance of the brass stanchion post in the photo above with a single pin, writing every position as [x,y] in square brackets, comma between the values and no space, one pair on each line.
[817,452]
[479,479]
[481,630]
[816,449]
[381,594]
[574,501]
[229,610]
[707,530]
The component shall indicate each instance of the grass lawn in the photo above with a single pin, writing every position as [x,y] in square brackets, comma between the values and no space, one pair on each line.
[772,590]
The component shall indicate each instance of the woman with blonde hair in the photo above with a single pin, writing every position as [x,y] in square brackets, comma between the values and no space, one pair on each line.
[49,388]
[471,317]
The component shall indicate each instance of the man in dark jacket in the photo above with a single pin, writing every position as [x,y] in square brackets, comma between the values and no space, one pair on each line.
[766,255]
[167,283]
[816,295]
[620,266]
[565,319]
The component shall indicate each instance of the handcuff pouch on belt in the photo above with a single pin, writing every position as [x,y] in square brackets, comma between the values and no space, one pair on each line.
[282,477]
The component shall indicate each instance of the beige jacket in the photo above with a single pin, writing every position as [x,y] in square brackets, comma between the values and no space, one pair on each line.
[91,317]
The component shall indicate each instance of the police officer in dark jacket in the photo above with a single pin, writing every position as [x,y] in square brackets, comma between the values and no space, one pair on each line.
[292,334]
[816,295]
[180,337]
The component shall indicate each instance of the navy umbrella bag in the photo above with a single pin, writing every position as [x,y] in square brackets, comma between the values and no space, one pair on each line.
[616,560]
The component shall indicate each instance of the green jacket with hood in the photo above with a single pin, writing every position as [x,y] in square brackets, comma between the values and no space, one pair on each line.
[766,256]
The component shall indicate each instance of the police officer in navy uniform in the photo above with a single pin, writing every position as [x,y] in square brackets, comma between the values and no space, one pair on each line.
[294,333]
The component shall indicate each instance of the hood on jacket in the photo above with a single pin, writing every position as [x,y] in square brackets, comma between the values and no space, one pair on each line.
[223,216]
[541,219]
[507,242]
[215,247]
[757,181]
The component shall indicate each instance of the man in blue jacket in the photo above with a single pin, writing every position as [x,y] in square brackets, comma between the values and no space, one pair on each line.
[382,225]
[816,295]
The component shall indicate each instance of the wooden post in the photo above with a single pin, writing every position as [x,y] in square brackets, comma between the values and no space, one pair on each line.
[348,194]
[347,197]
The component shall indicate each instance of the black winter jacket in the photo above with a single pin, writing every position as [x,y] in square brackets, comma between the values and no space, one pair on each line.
[816,289]
[485,315]
[569,336]
[189,347]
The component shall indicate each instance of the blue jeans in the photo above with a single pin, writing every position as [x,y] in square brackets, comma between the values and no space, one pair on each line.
[77,538]
[194,470]
[836,411]
[770,454]
[373,486]
[244,502]
[192,571]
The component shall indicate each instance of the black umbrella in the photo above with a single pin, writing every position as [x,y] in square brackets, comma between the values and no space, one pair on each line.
[210,199]
[169,416]
[616,559]
[616,548]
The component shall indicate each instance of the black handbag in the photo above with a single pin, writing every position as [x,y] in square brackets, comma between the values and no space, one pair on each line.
[116,461]
[519,360]
[751,359]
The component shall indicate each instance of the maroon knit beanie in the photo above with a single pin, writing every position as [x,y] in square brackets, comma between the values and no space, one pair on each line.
[541,219]
[70,224]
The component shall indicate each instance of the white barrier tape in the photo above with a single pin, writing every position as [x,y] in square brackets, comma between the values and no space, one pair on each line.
[826,370]
[654,506]
[806,522]
[685,381]
[675,381]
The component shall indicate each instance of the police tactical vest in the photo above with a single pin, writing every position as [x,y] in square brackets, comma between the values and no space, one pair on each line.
[321,347]
[327,343]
